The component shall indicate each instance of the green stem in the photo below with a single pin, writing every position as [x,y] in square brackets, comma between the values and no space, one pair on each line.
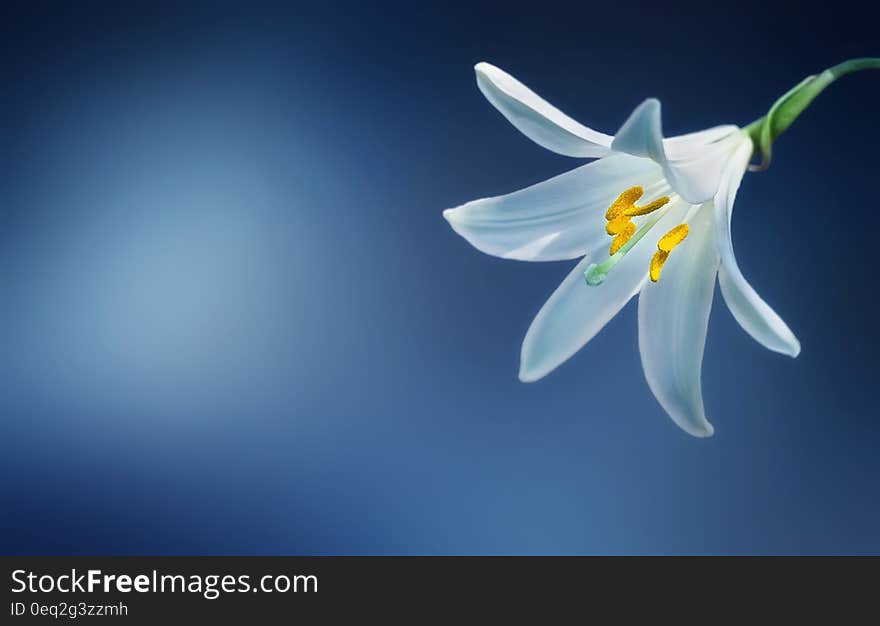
[786,109]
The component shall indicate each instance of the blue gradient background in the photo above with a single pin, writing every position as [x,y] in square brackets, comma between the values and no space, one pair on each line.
[234,321]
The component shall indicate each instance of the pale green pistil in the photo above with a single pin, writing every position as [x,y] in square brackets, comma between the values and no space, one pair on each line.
[596,273]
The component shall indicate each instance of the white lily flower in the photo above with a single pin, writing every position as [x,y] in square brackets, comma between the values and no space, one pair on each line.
[685,187]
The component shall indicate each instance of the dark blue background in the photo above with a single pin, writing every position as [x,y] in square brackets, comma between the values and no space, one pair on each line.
[234,320]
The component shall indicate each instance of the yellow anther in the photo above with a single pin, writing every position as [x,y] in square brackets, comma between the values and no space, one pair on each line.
[657,262]
[620,214]
[674,237]
[623,202]
[618,225]
[634,210]
[666,245]
[624,235]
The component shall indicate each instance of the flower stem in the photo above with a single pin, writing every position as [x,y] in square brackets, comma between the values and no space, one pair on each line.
[786,109]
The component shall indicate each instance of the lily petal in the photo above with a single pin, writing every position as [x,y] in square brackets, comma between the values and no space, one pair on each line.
[753,314]
[560,218]
[536,118]
[673,320]
[693,163]
[577,311]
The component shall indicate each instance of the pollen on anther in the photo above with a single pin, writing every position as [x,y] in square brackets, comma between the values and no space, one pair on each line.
[618,225]
[623,202]
[667,244]
[620,240]
[657,262]
[635,211]
[674,237]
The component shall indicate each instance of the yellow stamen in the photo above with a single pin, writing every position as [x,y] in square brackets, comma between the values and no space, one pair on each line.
[623,202]
[617,225]
[620,214]
[624,235]
[667,244]
[657,262]
[674,237]
[634,210]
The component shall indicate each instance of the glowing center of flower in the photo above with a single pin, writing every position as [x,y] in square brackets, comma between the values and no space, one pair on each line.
[621,212]
[620,226]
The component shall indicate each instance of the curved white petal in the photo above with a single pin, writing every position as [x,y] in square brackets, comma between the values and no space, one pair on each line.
[577,311]
[693,163]
[691,143]
[536,118]
[673,320]
[753,314]
[559,218]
